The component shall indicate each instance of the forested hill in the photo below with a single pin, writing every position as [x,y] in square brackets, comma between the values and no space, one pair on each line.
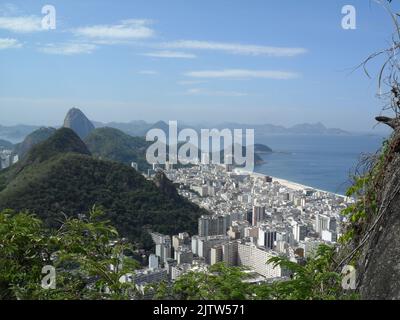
[59,176]
[113,144]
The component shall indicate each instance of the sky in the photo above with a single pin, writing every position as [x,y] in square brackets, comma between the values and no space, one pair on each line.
[208,61]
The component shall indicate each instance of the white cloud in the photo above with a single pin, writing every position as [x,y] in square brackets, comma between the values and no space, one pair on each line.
[68,49]
[190,82]
[148,72]
[235,48]
[243,74]
[26,24]
[7,43]
[204,92]
[170,54]
[125,30]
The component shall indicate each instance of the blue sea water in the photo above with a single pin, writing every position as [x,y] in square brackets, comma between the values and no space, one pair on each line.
[322,162]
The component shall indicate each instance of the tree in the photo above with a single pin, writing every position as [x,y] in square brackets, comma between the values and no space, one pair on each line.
[219,282]
[88,256]
[315,280]
[21,243]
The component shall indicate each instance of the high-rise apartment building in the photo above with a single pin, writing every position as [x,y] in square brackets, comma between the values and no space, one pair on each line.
[258,215]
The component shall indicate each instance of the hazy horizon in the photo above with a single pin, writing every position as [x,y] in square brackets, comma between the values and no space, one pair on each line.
[252,63]
[380,130]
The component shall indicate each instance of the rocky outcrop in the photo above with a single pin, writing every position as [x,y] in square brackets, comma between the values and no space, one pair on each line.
[165,185]
[379,262]
[77,121]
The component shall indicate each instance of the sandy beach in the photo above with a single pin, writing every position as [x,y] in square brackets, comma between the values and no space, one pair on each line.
[286,183]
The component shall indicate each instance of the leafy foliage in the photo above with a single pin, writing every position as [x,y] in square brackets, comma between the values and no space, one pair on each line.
[218,283]
[81,252]
[313,281]
[364,190]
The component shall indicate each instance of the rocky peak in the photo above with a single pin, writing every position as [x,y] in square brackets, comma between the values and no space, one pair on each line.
[77,121]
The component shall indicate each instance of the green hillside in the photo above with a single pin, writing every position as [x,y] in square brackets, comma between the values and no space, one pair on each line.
[113,144]
[59,176]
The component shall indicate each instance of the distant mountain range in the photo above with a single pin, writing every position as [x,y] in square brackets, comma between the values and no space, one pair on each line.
[16,133]
[139,127]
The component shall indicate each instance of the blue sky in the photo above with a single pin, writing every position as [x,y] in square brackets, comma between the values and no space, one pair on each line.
[257,61]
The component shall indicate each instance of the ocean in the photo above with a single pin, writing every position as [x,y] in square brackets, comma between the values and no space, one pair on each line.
[322,162]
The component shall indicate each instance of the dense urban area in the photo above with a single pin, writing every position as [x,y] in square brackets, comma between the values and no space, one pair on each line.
[252,219]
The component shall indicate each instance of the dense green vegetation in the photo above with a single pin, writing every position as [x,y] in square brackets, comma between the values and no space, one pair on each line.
[364,190]
[62,141]
[113,144]
[60,177]
[81,252]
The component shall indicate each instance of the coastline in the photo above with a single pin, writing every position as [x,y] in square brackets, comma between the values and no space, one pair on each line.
[289,184]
